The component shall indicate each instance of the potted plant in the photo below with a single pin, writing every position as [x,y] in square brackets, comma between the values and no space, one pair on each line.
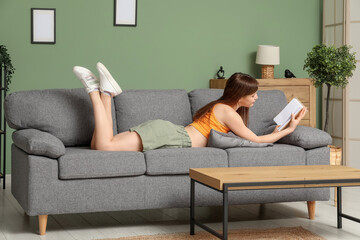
[5,63]
[331,66]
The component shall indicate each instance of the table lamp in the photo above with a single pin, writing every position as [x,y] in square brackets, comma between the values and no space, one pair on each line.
[268,56]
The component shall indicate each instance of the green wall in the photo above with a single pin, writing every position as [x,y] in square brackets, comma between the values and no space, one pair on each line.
[176,44]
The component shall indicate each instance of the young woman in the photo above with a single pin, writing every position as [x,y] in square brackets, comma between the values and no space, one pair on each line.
[228,113]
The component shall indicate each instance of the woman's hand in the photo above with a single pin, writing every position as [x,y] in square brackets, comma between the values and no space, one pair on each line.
[295,121]
[276,129]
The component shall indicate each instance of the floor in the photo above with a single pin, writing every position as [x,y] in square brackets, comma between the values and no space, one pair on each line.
[15,225]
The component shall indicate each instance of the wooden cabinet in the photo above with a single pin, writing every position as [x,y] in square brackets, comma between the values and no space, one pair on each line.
[301,88]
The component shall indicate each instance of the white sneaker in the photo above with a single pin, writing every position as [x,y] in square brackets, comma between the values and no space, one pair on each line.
[107,82]
[88,79]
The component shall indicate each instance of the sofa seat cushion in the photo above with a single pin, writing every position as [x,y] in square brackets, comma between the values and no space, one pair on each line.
[179,161]
[80,163]
[277,155]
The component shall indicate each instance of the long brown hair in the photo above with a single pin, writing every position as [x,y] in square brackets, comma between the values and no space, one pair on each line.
[237,86]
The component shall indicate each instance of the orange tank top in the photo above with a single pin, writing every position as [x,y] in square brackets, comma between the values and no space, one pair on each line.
[208,122]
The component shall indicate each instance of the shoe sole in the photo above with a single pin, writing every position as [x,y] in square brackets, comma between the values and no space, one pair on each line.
[101,68]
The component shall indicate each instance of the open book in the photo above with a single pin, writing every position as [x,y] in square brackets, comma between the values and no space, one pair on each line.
[284,117]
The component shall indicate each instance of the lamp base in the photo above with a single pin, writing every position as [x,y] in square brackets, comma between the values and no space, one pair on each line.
[267,71]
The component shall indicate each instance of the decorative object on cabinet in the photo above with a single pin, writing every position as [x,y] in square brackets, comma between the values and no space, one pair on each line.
[125,13]
[289,74]
[43,25]
[301,88]
[268,56]
[330,66]
[220,74]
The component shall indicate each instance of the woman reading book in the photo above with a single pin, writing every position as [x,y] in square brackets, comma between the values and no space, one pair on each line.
[228,113]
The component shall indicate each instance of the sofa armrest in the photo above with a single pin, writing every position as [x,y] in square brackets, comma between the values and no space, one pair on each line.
[307,138]
[36,142]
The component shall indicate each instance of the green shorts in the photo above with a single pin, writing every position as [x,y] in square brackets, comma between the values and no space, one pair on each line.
[162,134]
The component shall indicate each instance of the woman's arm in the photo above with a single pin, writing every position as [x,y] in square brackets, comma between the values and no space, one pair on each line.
[233,121]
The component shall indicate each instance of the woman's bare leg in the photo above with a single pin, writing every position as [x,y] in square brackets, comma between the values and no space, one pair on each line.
[103,132]
[103,138]
[106,100]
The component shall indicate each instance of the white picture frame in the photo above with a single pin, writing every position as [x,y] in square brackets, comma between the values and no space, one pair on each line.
[43,25]
[125,12]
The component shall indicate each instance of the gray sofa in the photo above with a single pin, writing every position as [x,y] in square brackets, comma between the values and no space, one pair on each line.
[55,172]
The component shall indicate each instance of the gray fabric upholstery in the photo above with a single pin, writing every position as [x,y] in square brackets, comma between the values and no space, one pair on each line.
[178,161]
[318,156]
[231,140]
[20,172]
[134,107]
[200,97]
[266,107]
[36,186]
[307,138]
[65,113]
[84,180]
[86,163]
[277,155]
[39,191]
[36,142]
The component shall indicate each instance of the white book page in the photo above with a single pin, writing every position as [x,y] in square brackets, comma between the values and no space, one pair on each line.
[284,117]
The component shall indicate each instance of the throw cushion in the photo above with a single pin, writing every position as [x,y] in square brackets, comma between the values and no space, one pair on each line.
[307,138]
[231,140]
[36,142]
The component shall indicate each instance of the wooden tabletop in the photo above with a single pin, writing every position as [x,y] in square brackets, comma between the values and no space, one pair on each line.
[308,176]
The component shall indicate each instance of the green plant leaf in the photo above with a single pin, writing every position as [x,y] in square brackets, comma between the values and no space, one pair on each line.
[330,65]
[5,62]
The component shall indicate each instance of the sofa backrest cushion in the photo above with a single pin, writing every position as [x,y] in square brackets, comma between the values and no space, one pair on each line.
[200,97]
[134,107]
[65,113]
[267,106]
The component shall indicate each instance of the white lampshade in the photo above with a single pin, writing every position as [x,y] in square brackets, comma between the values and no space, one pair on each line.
[268,55]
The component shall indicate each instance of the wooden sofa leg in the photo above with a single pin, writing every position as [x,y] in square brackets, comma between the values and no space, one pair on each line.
[311,209]
[42,224]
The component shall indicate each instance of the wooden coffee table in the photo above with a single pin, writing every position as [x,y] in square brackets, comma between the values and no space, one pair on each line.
[240,178]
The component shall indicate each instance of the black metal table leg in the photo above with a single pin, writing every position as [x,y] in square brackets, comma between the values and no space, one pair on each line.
[192,207]
[225,191]
[339,209]
[225,212]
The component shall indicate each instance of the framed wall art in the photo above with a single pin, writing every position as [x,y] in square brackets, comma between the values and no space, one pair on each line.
[125,12]
[43,25]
